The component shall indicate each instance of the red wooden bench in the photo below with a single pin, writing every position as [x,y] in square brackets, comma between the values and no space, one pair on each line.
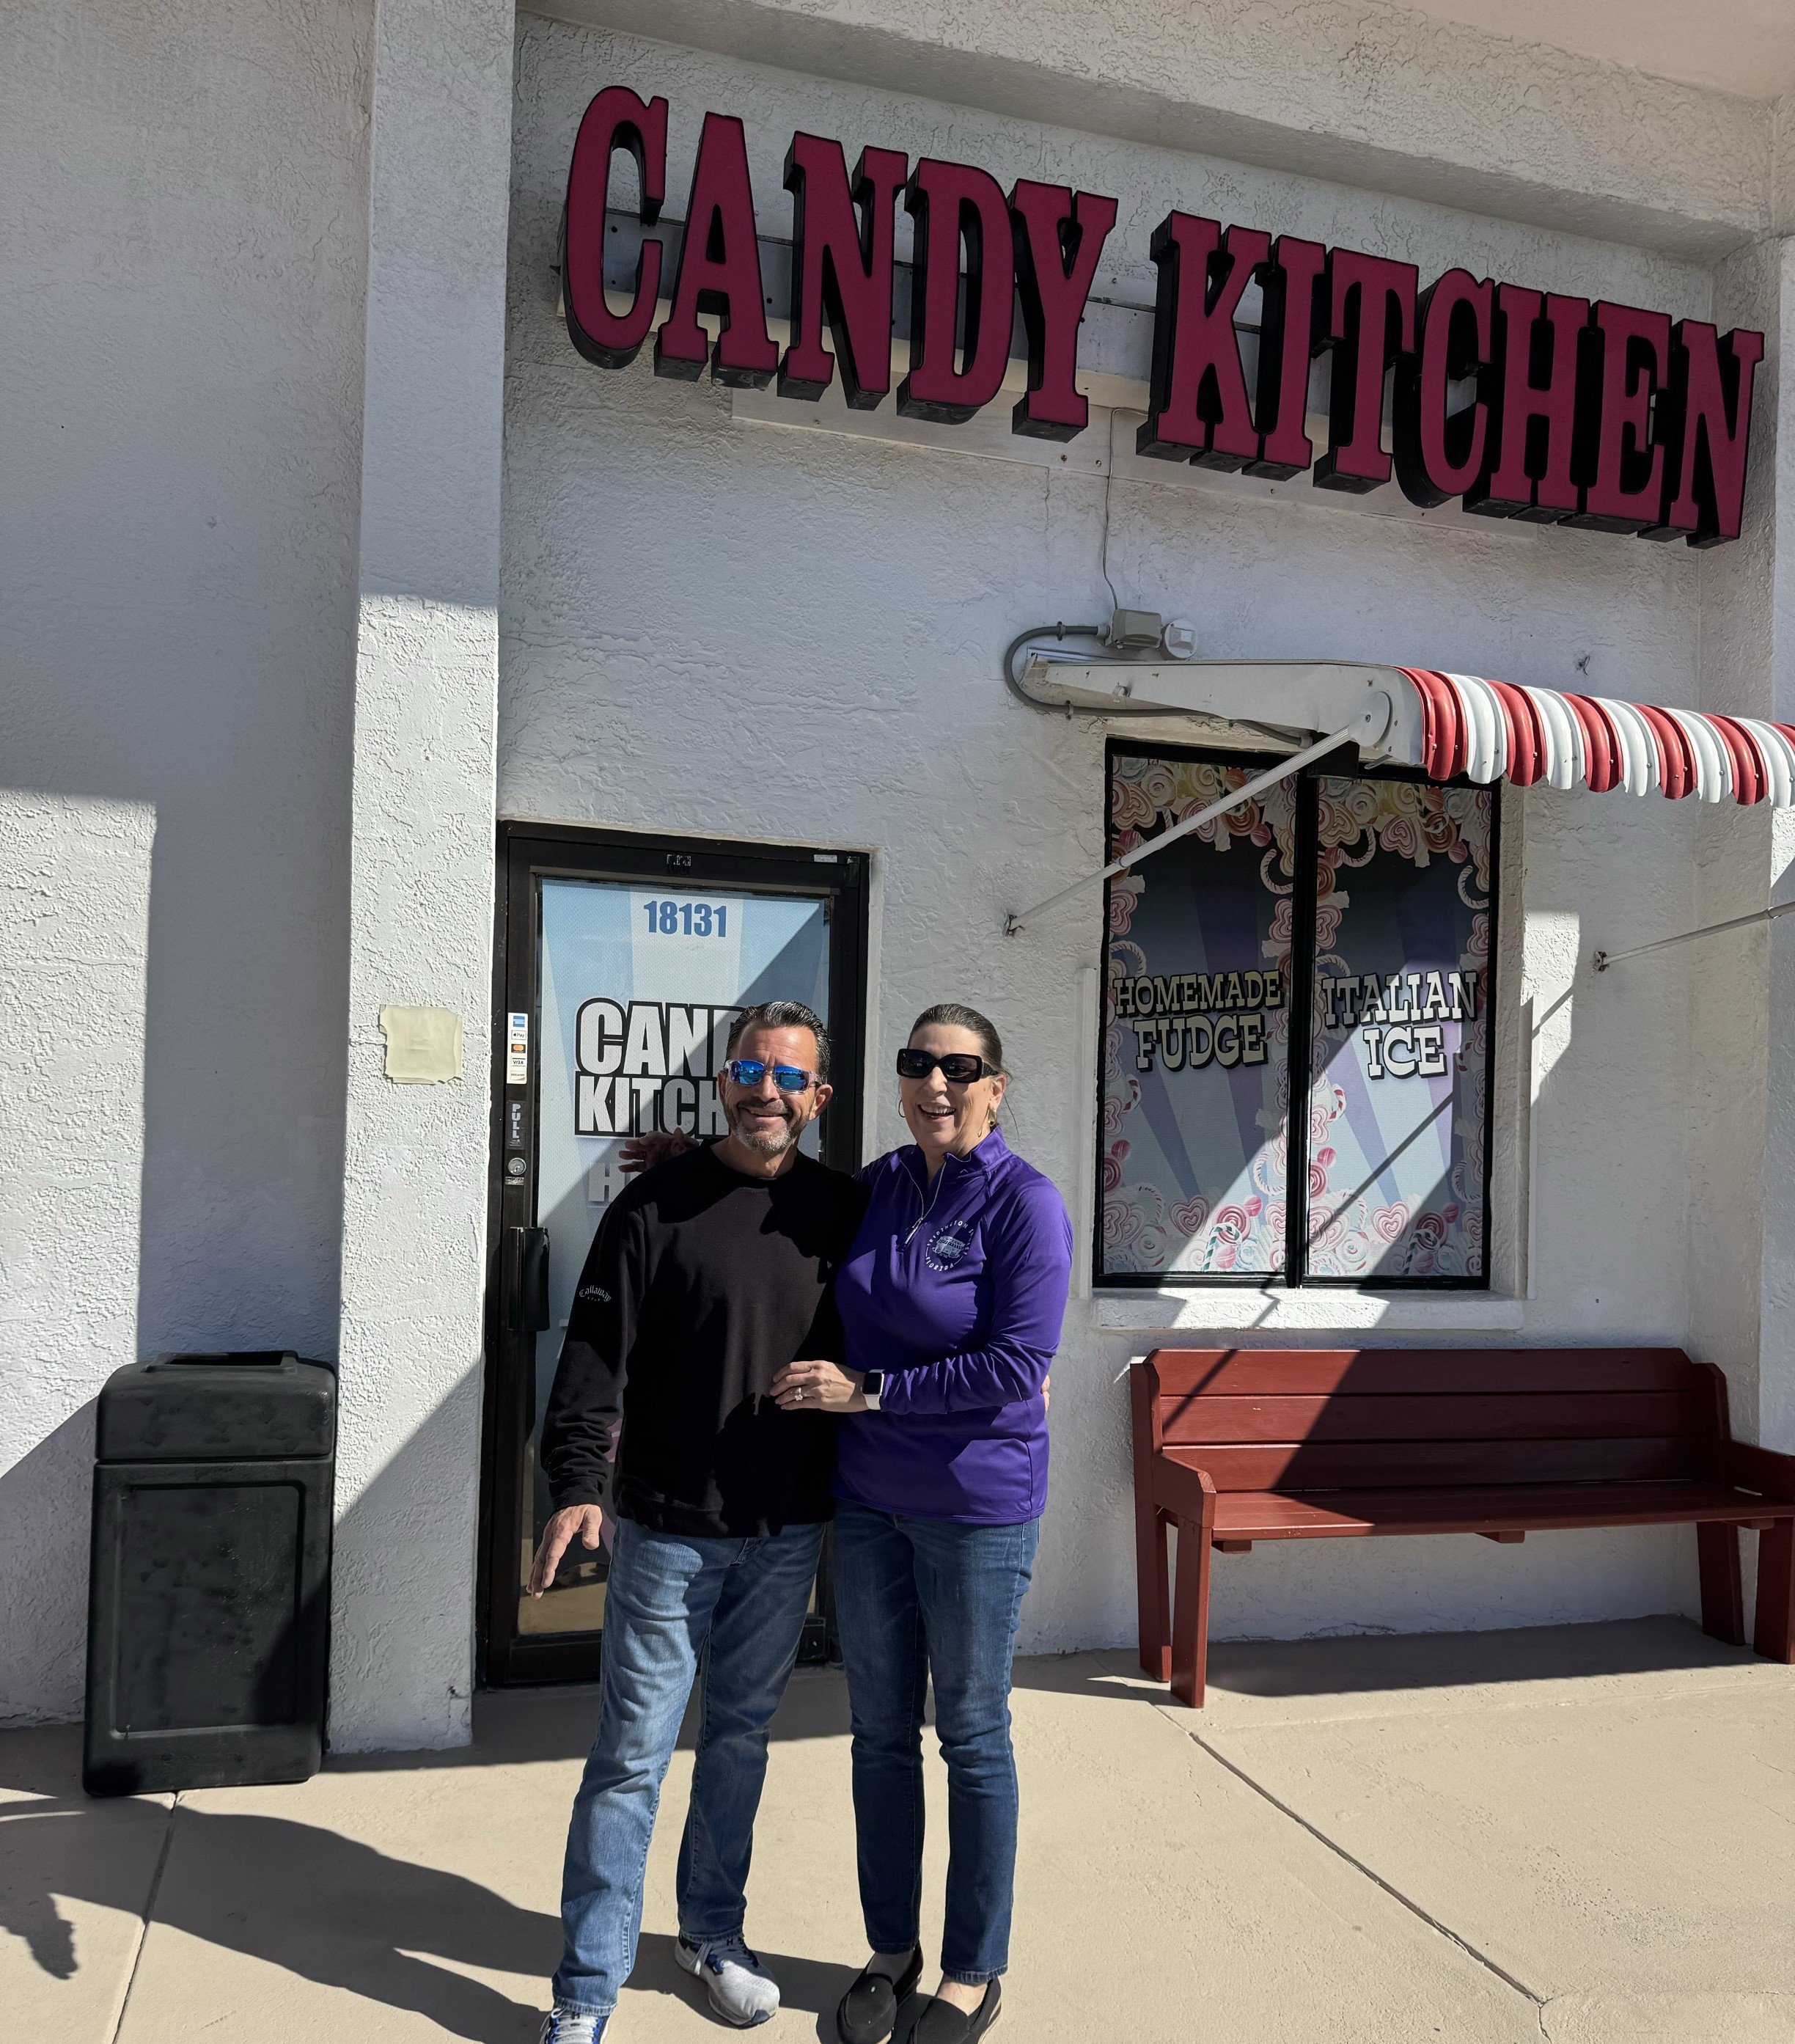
[1233,1445]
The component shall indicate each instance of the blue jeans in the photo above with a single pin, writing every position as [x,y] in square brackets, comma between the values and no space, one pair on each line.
[673,1604]
[913,1597]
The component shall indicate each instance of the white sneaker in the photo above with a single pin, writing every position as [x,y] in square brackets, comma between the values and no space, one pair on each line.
[571,2026]
[742,1991]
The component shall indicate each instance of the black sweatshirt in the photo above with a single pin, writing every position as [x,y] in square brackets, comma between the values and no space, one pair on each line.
[700,1286]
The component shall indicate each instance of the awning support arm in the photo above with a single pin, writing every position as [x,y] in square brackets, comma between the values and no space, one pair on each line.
[1603,959]
[1014,923]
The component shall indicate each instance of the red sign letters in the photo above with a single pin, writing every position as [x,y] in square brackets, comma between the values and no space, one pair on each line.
[1522,404]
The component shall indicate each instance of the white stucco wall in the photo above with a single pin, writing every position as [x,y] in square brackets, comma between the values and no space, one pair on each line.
[1748,657]
[1746,640]
[1381,97]
[827,613]
[209,571]
[182,219]
[74,901]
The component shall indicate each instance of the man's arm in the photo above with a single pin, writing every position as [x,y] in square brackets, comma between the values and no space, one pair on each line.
[585,1406]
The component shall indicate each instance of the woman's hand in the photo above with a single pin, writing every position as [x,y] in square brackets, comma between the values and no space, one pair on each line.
[659,1146]
[818,1387]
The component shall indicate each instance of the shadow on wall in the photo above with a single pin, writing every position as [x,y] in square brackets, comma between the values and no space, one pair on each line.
[43,1532]
[401,1669]
[386,1536]
[175,1060]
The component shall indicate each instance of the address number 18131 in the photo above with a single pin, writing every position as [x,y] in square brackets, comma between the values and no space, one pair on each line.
[687,919]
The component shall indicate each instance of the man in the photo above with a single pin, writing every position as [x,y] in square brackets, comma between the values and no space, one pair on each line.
[706,1277]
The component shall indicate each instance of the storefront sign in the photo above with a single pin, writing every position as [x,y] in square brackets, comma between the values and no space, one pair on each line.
[1327,942]
[640,985]
[651,1064]
[1522,404]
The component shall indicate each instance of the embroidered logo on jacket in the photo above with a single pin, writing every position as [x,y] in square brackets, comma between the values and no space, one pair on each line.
[947,1248]
[595,1291]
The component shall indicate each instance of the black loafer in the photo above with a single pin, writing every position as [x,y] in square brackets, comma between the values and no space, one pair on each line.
[868,2010]
[940,2022]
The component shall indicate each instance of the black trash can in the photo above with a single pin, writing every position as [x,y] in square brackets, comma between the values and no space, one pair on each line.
[208,1610]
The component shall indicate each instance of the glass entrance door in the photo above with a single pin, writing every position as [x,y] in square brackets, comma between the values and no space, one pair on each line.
[625,962]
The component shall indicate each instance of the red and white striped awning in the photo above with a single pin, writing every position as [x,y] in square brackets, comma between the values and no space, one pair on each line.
[1447,725]
[1489,731]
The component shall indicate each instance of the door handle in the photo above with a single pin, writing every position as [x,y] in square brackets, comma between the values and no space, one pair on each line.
[526,1279]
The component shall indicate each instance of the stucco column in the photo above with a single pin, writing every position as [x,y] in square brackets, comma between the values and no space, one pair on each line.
[1776,1399]
[421,913]
[1742,1141]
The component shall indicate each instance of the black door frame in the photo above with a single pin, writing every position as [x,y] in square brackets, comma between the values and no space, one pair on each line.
[528,853]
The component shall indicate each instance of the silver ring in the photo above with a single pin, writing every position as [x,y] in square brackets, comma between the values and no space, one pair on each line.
[798,1395]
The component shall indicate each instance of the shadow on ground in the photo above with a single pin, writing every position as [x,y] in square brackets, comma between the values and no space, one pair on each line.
[296,1896]
[334,1910]
[815,1986]
[511,1726]
[318,1905]
[1361,1663]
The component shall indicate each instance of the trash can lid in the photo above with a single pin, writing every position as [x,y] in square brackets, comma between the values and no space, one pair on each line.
[240,1405]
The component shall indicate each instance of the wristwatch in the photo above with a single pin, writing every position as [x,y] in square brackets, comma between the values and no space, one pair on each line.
[871,1384]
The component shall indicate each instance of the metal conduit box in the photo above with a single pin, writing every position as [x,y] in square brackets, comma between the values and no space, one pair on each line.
[209,1612]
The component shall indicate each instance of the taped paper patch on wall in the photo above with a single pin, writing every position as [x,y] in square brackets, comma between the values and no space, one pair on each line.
[422,1044]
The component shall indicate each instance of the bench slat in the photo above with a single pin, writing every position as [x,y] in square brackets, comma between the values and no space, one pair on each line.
[1321,1373]
[1492,1416]
[1246,1515]
[1390,1465]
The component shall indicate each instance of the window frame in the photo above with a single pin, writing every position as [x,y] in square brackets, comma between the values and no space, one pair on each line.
[1301,995]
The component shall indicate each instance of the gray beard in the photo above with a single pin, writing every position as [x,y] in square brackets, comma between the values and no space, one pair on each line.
[763,1142]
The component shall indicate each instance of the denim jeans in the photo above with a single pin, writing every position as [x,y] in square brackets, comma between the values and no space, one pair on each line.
[673,1606]
[913,1597]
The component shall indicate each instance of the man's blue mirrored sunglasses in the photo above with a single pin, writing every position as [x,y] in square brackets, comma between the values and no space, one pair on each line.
[749,1071]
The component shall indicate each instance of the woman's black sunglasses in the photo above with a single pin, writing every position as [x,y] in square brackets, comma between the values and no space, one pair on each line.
[958,1067]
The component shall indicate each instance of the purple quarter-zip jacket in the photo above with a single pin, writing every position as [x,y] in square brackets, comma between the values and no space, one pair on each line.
[956,1290]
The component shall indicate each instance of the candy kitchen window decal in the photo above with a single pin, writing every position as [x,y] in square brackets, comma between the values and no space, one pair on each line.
[1520,403]
[649,1065]
[1211,1008]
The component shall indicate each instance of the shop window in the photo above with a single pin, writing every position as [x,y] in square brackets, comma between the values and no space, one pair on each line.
[1327,943]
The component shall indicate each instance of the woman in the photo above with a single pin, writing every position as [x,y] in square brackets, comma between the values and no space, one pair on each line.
[951,1299]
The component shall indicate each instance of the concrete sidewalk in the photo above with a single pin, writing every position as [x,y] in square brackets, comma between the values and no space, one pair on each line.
[1583,1834]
